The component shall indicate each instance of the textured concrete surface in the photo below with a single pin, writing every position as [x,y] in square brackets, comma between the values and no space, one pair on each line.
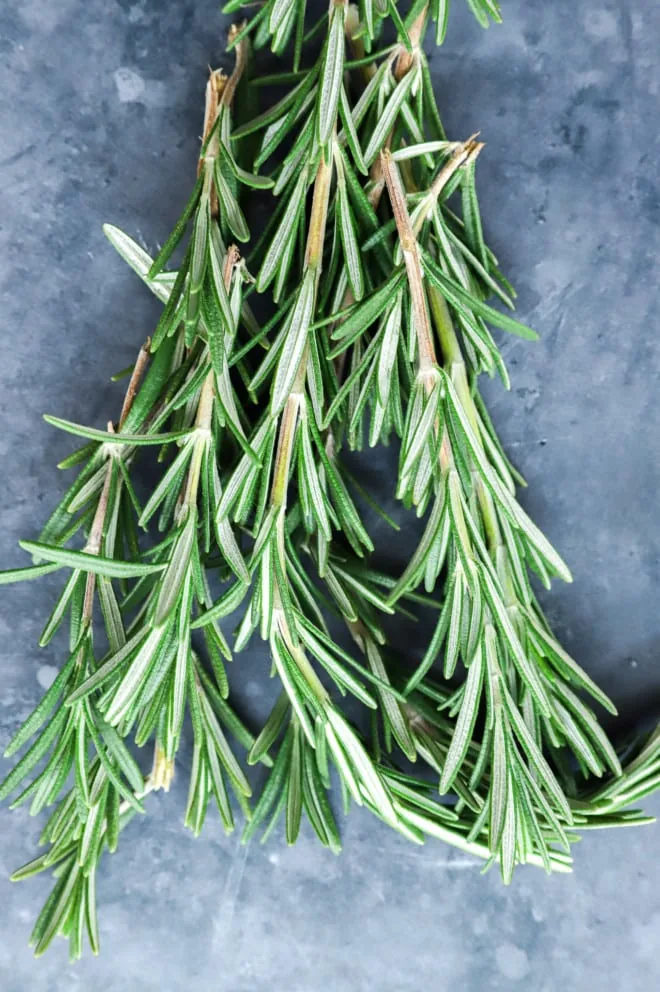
[99,121]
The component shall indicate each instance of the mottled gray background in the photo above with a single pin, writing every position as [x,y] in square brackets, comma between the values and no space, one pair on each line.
[100,116]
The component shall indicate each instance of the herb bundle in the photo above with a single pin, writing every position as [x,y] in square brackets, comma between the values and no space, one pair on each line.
[377,274]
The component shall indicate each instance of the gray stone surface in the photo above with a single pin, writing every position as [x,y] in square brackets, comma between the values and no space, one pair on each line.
[99,121]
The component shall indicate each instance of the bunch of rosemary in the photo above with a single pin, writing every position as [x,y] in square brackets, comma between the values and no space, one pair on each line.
[377,274]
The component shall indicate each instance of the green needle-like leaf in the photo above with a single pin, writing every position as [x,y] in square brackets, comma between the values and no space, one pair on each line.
[331,76]
[23,574]
[109,437]
[95,564]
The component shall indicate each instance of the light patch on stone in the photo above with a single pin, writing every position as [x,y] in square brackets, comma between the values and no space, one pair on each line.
[130,85]
[46,676]
[645,937]
[512,962]
[601,24]
[44,18]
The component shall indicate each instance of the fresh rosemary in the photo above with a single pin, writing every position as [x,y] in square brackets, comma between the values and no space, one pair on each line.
[376,269]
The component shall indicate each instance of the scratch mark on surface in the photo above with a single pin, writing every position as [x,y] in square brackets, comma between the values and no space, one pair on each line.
[223,921]
[12,159]
[457,864]
[541,441]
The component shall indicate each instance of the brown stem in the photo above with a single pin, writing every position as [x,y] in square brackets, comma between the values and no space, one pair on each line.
[242,51]
[465,152]
[220,92]
[427,356]
[285,442]
[215,87]
[416,34]
[319,216]
[134,382]
[93,545]
[410,249]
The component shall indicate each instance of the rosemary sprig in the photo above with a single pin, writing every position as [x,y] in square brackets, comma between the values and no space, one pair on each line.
[150,669]
[107,783]
[379,284]
[443,454]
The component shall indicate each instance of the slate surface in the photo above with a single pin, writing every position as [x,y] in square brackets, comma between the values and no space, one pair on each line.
[99,121]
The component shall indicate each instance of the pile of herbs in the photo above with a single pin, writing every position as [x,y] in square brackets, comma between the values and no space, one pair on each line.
[376,276]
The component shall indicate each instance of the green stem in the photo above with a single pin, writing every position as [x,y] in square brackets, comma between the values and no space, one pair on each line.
[455,366]
[285,443]
[204,415]
[313,262]
[290,414]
